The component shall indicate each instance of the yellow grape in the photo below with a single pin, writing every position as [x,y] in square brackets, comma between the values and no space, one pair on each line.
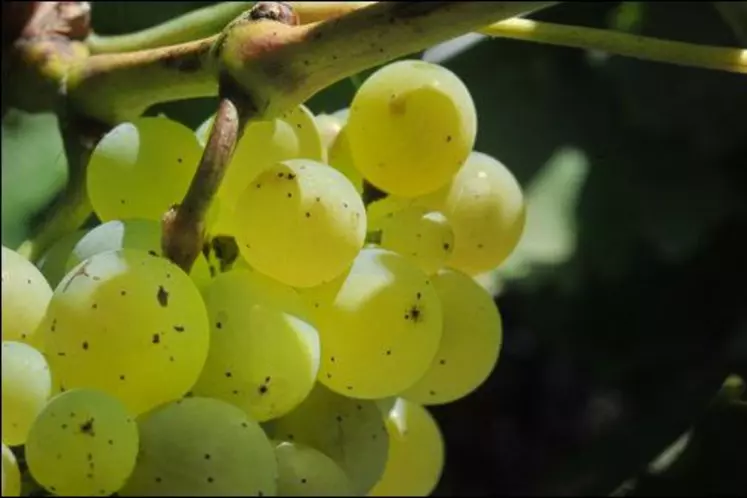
[340,158]
[264,354]
[380,210]
[470,343]
[416,452]
[84,443]
[301,222]
[128,323]
[485,206]
[11,474]
[310,144]
[26,295]
[53,263]
[202,447]
[27,385]
[380,326]
[411,126]
[143,235]
[422,236]
[305,471]
[350,431]
[140,169]
[328,126]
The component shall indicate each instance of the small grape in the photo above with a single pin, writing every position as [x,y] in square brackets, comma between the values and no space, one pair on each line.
[302,223]
[381,210]
[26,295]
[485,206]
[470,343]
[350,431]
[411,126]
[264,353]
[202,447]
[328,127]
[304,471]
[27,385]
[422,236]
[11,474]
[310,144]
[83,443]
[379,324]
[53,263]
[128,323]
[416,452]
[143,235]
[140,169]
[341,158]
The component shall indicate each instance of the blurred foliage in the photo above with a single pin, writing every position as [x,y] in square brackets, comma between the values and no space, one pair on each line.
[625,307]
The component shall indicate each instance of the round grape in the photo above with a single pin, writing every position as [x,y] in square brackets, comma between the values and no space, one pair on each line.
[128,323]
[202,447]
[140,169]
[11,474]
[84,443]
[27,385]
[304,471]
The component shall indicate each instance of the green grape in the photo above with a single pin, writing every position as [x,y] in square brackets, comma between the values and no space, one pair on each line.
[26,295]
[470,343]
[302,223]
[381,210]
[422,236]
[202,447]
[27,385]
[485,206]
[411,126]
[341,158]
[53,263]
[11,474]
[84,443]
[416,452]
[350,431]
[140,169]
[328,127]
[305,471]
[143,235]
[380,326]
[264,355]
[130,324]
[310,144]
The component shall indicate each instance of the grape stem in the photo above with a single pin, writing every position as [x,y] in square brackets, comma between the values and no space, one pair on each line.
[184,225]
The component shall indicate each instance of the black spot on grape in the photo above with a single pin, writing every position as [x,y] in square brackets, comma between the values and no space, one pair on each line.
[349,388]
[339,418]
[63,426]
[448,138]
[94,306]
[158,479]
[268,378]
[110,442]
[332,359]
[291,437]
[308,215]
[60,354]
[447,246]
[432,393]
[359,407]
[123,293]
[153,253]
[303,481]
[244,425]
[329,375]
[318,199]
[374,437]
[291,176]
[262,389]
[54,325]
[171,358]
[260,493]
[290,195]
[259,185]
[281,175]
[156,339]
[179,160]
[345,205]
[87,427]
[228,374]
[388,352]
[442,362]
[121,377]
[235,392]
[162,296]
[207,456]
[179,328]
[418,295]
[85,345]
[210,479]
[218,325]
[89,456]
[414,314]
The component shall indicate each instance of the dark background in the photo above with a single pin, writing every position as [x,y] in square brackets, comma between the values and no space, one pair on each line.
[625,306]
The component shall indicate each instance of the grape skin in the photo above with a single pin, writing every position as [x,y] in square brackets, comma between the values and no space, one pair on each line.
[143,235]
[53,263]
[416,452]
[140,169]
[304,471]
[26,295]
[379,324]
[128,323]
[350,431]
[264,353]
[309,203]
[83,443]
[470,343]
[485,206]
[11,474]
[411,126]
[202,447]
[27,385]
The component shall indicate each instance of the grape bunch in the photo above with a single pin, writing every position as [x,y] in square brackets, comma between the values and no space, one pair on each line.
[300,353]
